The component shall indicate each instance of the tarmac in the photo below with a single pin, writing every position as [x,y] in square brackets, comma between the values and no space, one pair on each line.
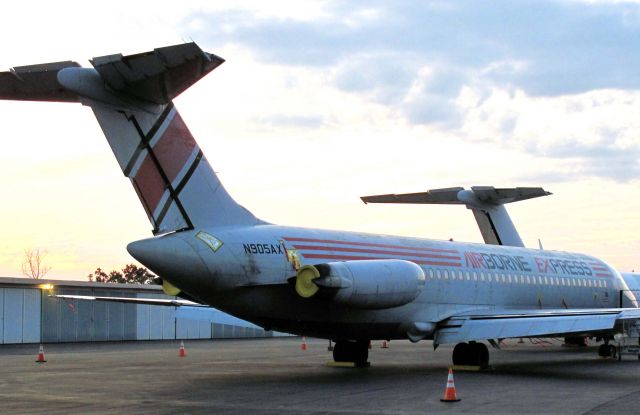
[273,376]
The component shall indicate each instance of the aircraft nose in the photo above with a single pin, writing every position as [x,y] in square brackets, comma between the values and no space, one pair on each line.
[171,258]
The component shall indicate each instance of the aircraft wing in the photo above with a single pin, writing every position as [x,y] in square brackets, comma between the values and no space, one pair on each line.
[169,302]
[530,323]
[184,308]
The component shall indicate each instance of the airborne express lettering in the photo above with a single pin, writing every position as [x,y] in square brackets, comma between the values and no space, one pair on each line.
[519,263]
[494,261]
[262,249]
[562,266]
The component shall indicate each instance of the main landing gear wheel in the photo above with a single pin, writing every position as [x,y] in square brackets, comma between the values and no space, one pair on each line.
[607,350]
[471,354]
[351,351]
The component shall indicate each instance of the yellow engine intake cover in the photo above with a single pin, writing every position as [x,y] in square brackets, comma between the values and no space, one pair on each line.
[304,281]
[170,289]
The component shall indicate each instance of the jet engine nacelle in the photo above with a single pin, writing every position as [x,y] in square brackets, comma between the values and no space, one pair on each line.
[369,284]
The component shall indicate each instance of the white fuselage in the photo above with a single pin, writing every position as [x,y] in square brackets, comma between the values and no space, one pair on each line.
[256,262]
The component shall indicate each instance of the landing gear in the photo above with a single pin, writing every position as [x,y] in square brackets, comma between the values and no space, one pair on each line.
[579,341]
[351,351]
[607,350]
[471,354]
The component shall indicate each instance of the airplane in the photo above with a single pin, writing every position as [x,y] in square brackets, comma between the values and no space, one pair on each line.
[348,287]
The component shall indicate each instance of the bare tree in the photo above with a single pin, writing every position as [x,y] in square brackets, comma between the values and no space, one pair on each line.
[33,264]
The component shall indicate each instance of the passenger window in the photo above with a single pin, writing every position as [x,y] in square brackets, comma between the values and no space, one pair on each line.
[475,276]
[482,276]
[468,276]
[446,274]
[438,274]
[430,273]
[460,277]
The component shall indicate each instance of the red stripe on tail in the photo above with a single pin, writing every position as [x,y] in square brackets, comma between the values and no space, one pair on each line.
[174,147]
[149,184]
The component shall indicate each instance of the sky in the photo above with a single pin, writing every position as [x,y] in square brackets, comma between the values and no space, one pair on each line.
[321,102]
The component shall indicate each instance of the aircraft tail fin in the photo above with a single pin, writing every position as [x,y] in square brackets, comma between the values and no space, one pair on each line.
[486,203]
[131,97]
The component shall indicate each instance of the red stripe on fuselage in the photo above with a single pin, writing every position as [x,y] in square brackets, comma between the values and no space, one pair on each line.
[602,274]
[371,251]
[174,147]
[330,241]
[359,258]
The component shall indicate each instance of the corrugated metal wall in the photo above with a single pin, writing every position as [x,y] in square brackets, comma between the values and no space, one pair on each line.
[155,322]
[20,312]
[78,321]
[29,315]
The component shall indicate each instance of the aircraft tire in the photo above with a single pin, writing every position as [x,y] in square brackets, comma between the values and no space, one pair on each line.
[604,350]
[460,356]
[471,354]
[351,351]
[480,354]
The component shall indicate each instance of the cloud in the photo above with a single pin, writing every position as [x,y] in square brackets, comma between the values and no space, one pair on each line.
[295,121]
[566,47]
[468,69]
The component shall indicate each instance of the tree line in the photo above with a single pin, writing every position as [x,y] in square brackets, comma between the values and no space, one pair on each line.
[130,274]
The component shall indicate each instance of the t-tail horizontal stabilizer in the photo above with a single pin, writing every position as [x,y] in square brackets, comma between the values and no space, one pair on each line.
[486,203]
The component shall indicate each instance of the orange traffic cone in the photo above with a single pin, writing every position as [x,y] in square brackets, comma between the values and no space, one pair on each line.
[182,353]
[450,394]
[303,345]
[40,358]
[384,345]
